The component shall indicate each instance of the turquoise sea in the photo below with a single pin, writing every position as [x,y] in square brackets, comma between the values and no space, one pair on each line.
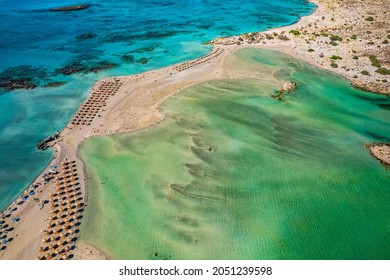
[127,36]
[233,173]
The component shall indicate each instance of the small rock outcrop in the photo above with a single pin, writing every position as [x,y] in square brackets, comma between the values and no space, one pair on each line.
[48,142]
[287,87]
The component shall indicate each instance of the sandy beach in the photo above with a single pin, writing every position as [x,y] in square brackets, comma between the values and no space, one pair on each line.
[129,103]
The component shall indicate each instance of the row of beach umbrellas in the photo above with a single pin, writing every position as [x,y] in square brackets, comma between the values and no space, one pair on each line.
[66,206]
[200,60]
[95,103]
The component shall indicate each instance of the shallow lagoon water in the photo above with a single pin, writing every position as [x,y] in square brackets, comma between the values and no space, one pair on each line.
[232,173]
[35,43]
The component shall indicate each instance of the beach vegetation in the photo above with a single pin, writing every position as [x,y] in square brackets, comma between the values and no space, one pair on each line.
[295,32]
[334,65]
[269,36]
[283,37]
[365,73]
[385,42]
[324,34]
[388,36]
[355,76]
[370,18]
[335,57]
[333,43]
[240,39]
[335,38]
[310,50]
[384,81]
[238,43]
[370,43]
[383,71]
[374,61]
[355,57]
[354,37]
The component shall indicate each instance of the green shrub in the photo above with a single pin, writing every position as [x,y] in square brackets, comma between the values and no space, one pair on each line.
[335,57]
[374,61]
[385,42]
[355,57]
[334,65]
[333,43]
[365,72]
[383,71]
[370,43]
[295,32]
[369,18]
[335,38]
[353,37]
[310,50]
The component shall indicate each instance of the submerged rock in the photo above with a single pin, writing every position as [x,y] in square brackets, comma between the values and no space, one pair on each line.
[20,83]
[85,36]
[77,67]
[70,8]
[54,84]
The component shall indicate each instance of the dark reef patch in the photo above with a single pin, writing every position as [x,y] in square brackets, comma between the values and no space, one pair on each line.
[54,84]
[22,77]
[78,67]
[128,58]
[85,36]
[13,84]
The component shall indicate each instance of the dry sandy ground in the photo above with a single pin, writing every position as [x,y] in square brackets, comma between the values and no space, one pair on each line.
[135,105]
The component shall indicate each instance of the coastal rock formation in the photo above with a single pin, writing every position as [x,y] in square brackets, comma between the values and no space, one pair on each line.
[381,152]
[70,8]
[288,87]
[48,142]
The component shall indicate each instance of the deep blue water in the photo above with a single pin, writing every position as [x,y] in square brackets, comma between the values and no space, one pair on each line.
[35,43]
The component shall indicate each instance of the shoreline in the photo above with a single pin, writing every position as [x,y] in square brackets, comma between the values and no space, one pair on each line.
[133,106]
